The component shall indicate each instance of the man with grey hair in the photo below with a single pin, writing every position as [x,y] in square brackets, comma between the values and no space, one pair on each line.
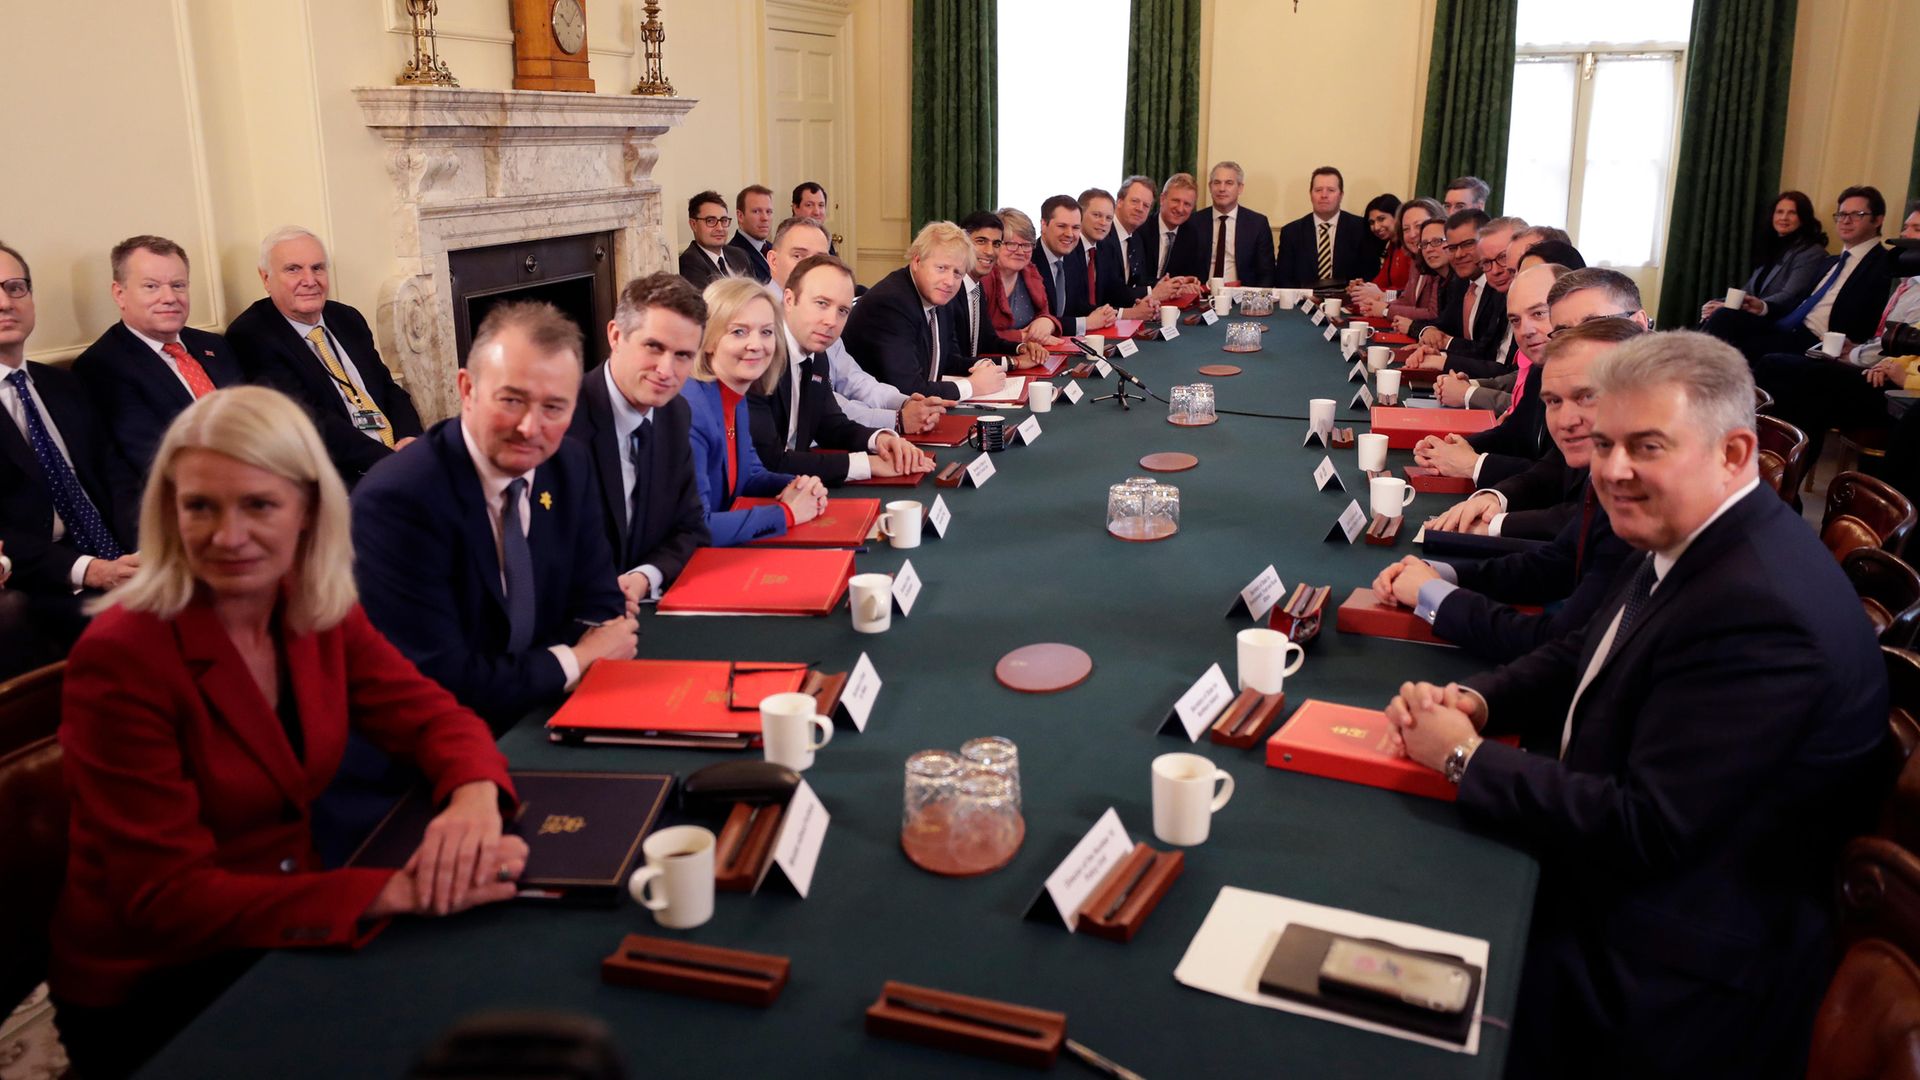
[1329,246]
[321,354]
[1229,241]
[1699,752]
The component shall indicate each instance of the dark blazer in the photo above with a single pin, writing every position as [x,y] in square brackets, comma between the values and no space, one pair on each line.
[672,522]
[191,811]
[1109,288]
[1856,311]
[708,435]
[273,354]
[756,262]
[1130,257]
[1719,757]
[698,268]
[429,572]
[989,342]
[1356,251]
[1192,253]
[1542,498]
[1151,236]
[137,394]
[821,421]
[887,335]
[1489,318]
[1519,440]
[41,566]
[1782,282]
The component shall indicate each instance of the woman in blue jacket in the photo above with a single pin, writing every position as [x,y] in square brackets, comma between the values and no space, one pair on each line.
[743,352]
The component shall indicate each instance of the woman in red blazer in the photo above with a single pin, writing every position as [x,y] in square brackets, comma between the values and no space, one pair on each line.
[1404,270]
[205,710]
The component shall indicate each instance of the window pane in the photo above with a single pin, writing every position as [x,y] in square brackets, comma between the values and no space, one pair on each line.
[1540,141]
[1616,22]
[1629,148]
[1062,66]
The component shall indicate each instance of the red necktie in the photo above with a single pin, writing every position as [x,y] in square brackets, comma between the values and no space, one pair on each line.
[1093,290]
[1888,313]
[190,370]
[1220,249]
[1587,505]
[1466,313]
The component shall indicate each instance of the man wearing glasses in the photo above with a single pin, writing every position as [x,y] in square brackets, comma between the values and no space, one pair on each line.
[1848,298]
[709,257]
[1473,312]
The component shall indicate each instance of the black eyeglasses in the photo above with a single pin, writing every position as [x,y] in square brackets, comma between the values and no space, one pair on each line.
[1855,215]
[18,288]
[715,222]
[1558,330]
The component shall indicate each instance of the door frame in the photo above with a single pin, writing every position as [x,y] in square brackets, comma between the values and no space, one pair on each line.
[829,18]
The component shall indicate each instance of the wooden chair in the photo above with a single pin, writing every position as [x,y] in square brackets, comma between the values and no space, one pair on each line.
[33,828]
[1880,892]
[1889,590]
[1783,457]
[1762,401]
[1900,815]
[1863,511]
[1869,1024]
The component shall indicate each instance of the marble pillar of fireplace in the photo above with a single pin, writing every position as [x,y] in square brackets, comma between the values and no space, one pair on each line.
[475,168]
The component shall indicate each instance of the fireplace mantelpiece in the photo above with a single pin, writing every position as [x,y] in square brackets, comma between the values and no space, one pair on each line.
[474,168]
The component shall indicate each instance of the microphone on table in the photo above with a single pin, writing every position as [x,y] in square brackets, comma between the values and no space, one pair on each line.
[1124,374]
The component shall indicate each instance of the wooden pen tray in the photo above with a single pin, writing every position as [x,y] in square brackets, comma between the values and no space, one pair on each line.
[745,845]
[1160,868]
[1245,722]
[948,1028]
[682,967]
[825,688]
[1299,618]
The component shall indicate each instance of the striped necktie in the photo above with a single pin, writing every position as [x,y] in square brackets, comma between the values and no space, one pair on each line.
[1326,251]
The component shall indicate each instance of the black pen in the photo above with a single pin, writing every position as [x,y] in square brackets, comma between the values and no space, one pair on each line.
[1110,1068]
[1126,894]
[703,965]
[965,1018]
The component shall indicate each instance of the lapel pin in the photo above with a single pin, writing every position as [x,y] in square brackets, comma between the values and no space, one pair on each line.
[546,500]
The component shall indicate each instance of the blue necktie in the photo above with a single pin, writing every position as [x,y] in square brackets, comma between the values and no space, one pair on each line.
[85,529]
[1798,316]
[639,447]
[1639,590]
[517,561]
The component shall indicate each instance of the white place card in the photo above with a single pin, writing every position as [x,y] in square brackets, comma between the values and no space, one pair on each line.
[1363,399]
[1353,522]
[1129,347]
[1168,333]
[1358,373]
[1105,369]
[906,587]
[1259,595]
[980,469]
[1082,871]
[1209,316]
[1073,393]
[1328,333]
[1325,473]
[857,697]
[796,847]
[1319,316]
[1029,430]
[1202,704]
[939,516]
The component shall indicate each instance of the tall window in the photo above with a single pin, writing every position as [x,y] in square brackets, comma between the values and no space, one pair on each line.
[1063,79]
[1596,97]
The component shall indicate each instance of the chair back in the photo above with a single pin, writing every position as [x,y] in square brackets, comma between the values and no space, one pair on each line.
[1869,1024]
[1889,591]
[1783,456]
[33,828]
[1861,506]
[1762,401]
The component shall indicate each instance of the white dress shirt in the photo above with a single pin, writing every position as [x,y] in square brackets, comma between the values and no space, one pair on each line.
[1121,234]
[929,312]
[1167,233]
[493,488]
[859,464]
[626,419]
[1821,316]
[159,350]
[346,365]
[10,399]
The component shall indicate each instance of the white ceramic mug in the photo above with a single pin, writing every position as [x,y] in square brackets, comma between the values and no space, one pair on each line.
[1262,655]
[1378,357]
[1320,413]
[901,523]
[1222,302]
[1352,339]
[1184,801]
[676,884]
[787,726]
[1736,298]
[1096,342]
[1372,448]
[1833,343]
[1039,396]
[871,597]
[1389,495]
[1216,284]
[1169,315]
[1331,308]
[1386,382]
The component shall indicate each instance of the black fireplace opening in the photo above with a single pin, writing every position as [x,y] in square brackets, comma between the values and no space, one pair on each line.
[573,273]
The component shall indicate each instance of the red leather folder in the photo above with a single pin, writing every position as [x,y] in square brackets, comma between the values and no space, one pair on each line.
[1378,322]
[1345,743]
[1389,338]
[759,581]
[1403,427]
[1056,363]
[1363,613]
[1422,478]
[1120,330]
[951,430]
[846,524]
[692,696]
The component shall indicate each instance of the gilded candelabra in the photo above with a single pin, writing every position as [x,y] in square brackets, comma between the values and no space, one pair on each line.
[653,35]
[425,68]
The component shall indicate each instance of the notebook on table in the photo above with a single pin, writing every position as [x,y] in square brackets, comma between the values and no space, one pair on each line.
[759,581]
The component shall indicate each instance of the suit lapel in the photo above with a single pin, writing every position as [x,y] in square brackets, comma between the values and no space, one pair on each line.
[546,537]
[235,700]
[145,365]
[465,482]
[604,441]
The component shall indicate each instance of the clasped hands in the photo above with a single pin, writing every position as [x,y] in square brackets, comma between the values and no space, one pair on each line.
[1450,455]
[463,861]
[806,497]
[895,456]
[1400,582]
[1429,721]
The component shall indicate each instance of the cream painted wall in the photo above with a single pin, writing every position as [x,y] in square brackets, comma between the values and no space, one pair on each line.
[883,134]
[1850,112]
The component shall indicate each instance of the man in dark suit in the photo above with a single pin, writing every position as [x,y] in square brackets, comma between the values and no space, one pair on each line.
[1329,246]
[479,549]
[1158,236]
[803,412]
[1700,750]
[708,256]
[810,202]
[1115,282]
[754,236]
[1849,297]
[902,331]
[1229,241]
[1073,283]
[1132,217]
[321,354]
[151,365]
[68,505]
[1470,337]
[633,422]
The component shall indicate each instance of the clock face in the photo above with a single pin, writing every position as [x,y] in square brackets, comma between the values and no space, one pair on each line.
[569,25]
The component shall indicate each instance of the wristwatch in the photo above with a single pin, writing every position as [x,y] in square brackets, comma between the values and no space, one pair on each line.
[1455,767]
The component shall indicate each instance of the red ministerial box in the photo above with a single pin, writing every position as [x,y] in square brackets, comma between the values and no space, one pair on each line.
[846,524]
[1363,613]
[759,581]
[1345,743]
[1421,478]
[1403,427]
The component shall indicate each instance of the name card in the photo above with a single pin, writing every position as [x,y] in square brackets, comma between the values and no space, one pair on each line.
[1073,393]
[857,697]
[1084,868]
[1325,473]
[1029,430]
[1328,333]
[1313,436]
[1209,316]
[980,469]
[796,847]
[1201,705]
[1319,316]
[1353,521]
[1347,347]
[1129,347]
[1259,596]
[1362,400]
[1105,369]
[1168,333]
[1358,373]
[939,516]
[906,587]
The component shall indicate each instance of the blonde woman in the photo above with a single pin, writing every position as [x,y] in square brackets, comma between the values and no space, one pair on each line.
[743,352]
[207,707]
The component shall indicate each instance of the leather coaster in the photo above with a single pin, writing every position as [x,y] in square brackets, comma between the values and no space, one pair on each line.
[1169,461]
[1043,669]
[1219,369]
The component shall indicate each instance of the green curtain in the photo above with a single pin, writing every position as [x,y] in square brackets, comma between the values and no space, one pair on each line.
[1163,89]
[955,90]
[1733,130]
[1469,96]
